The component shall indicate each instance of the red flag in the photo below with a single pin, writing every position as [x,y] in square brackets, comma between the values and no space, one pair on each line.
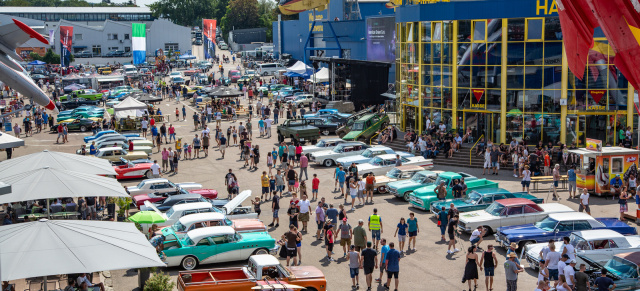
[578,24]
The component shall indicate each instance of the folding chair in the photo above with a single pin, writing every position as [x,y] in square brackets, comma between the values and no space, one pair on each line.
[35,286]
[55,209]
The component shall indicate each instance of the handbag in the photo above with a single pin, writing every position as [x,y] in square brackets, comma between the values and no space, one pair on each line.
[439,223]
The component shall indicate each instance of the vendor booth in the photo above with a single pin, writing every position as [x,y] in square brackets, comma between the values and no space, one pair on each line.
[598,165]
[128,114]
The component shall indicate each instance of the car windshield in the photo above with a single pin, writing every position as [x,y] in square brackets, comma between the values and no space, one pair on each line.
[249,72]
[218,209]
[235,73]
[367,153]
[179,227]
[377,161]
[170,212]
[495,208]
[358,126]
[418,178]
[320,144]
[547,224]
[473,197]
[622,268]
[130,165]
[188,241]
[394,173]
[338,149]
[578,242]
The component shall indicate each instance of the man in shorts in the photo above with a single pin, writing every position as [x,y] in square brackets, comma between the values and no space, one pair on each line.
[292,249]
[392,262]
[346,233]
[264,181]
[304,206]
[275,207]
[476,236]
[206,133]
[556,180]
[368,261]
[368,188]
[91,207]
[223,144]
[571,179]
[384,249]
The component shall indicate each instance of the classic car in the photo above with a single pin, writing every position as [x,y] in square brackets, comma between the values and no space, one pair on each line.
[325,126]
[367,126]
[160,185]
[115,153]
[107,132]
[139,200]
[328,158]
[383,163]
[124,161]
[368,154]
[80,112]
[507,212]
[251,74]
[302,100]
[403,188]
[299,130]
[83,93]
[132,171]
[326,112]
[260,267]
[480,199]
[214,245]
[138,146]
[422,197]
[622,268]
[81,124]
[322,145]
[166,204]
[101,143]
[597,245]
[556,226]
[395,174]
[120,89]
[75,103]
[211,219]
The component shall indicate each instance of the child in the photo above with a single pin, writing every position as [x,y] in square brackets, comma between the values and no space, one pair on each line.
[177,114]
[188,151]
[315,185]
[303,188]
[272,186]
[256,205]
[296,186]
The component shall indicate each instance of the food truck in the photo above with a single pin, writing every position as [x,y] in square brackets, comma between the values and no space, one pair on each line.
[598,165]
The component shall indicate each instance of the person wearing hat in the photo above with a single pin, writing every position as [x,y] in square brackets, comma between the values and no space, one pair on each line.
[511,270]
[512,250]
[570,273]
[616,185]
[346,233]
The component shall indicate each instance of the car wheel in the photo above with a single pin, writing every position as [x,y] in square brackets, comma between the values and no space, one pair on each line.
[406,196]
[280,138]
[382,189]
[189,263]
[148,174]
[328,163]
[325,132]
[525,244]
[260,251]
[83,128]
[489,230]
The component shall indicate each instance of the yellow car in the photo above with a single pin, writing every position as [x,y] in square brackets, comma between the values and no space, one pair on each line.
[70,120]
[114,154]
[104,70]
[190,89]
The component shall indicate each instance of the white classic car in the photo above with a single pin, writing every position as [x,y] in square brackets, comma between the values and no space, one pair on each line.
[325,144]
[138,146]
[328,158]
[598,245]
[507,212]
[232,210]
[383,163]
[368,154]
[160,185]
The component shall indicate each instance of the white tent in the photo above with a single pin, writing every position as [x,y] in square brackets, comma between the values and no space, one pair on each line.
[9,141]
[129,107]
[299,67]
[52,247]
[58,160]
[322,76]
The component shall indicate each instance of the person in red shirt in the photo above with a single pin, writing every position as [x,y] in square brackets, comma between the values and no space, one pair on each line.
[315,185]
[152,122]
[130,146]
[547,164]
[368,187]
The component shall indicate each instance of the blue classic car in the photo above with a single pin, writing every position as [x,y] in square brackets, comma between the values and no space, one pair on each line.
[480,199]
[88,139]
[327,112]
[556,226]
[623,269]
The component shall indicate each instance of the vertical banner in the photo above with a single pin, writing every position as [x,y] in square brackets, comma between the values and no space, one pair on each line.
[381,39]
[209,31]
[139,42]
[66,39]
[52,35]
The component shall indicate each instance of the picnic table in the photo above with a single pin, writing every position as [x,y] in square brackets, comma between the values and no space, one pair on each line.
[543,179]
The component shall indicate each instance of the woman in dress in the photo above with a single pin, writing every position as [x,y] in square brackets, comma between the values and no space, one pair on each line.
[471,268]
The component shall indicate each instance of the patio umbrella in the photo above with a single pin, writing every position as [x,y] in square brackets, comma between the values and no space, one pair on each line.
[36,62]
[58,160]
[147,217]
[74,87]
[48,183]
[52,247]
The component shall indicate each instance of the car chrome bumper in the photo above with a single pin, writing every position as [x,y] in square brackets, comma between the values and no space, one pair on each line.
[274,250]
[501,240]
[534,263]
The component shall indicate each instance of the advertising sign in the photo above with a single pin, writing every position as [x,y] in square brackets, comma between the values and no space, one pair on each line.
[594,145]
[209,41]
[381,39]
[66,39]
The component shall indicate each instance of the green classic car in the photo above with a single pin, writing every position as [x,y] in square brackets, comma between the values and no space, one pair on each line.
[403,188]
[81,124]
[367,126]
[215,244]
[480,199]
[421,198]
[89,94]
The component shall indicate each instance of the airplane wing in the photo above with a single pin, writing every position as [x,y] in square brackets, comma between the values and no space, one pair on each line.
[12,35]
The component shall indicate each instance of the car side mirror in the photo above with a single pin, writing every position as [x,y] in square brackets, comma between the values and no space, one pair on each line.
[556,230]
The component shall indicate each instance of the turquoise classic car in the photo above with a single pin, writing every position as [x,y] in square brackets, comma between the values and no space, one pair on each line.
[403,188]
[81,112]
[215,244]
[480,199]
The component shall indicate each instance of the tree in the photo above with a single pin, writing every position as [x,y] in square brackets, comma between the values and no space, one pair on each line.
[219,9]
[266,10]
[241,14]
[183,12]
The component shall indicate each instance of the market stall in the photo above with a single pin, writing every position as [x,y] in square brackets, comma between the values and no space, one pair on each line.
[128,114]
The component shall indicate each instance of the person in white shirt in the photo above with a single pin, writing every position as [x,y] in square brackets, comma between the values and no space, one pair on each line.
[552,258]
[361,188]
[570,273]
[83,279]
[155,169]
[144,124]
[562,264]
[442,127]
[428,123]
[476,236]
[268,123]
[458,142]
[584,201]
[305,211]
[568,248]
[423,147]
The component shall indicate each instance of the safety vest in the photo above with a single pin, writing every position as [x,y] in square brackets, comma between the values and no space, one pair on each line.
[374,222]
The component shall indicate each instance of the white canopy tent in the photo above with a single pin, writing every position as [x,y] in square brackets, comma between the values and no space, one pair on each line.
[322,76]
[129,107]
[299,67]
[52,247]
[58,160]
[9,141]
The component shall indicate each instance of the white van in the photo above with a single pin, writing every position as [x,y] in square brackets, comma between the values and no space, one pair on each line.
[269,68]
[130,71]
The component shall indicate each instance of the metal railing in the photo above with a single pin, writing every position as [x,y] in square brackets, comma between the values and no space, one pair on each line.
[474,145]
[377,133]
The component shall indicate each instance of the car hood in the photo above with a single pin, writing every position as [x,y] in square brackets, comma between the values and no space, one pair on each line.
[137,153]
[456,202]
[384,179]
[353,159]
[324,153]
[306,272]
[365,167]
[403,183]
[475,216]
[141,197]
[524,229]
[248,224]
[352,135]
[425,191]
[235,202]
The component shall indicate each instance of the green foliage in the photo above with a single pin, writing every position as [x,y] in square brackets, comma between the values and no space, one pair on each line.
[183,12]
[123,204]
[35,56]
[159,282]
[241,14]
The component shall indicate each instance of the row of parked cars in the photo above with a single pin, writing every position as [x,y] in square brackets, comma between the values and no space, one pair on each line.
[109,54]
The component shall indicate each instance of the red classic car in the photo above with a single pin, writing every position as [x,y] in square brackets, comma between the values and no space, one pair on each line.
[155,197]
[133,170]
